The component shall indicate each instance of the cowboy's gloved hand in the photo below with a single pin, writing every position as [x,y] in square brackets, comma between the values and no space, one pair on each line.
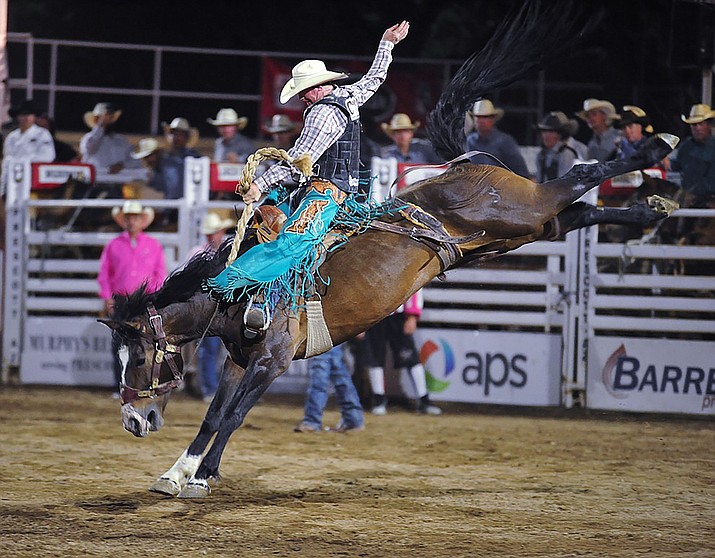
[397,32]
[253,194]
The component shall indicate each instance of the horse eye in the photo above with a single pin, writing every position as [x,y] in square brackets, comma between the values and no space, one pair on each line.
[140,361]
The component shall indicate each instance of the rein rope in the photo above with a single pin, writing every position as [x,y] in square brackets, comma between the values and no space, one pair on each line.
[302,163]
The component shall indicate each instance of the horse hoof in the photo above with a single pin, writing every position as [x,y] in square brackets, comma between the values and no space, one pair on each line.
[195,489]
[663,206]
[670,139]
[166,486]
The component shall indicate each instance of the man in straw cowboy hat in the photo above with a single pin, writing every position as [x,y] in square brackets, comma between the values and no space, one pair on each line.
[560,150]
[103,147]
[131,259]
[232,146]
[695,159]
[487,138]
[405,147]
[331,136]
[211,353]
[600,116]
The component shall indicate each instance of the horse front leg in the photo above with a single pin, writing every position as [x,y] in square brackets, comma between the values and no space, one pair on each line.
[174,479]
[269,359]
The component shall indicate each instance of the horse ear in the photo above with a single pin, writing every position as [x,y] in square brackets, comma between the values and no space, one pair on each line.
[111,324]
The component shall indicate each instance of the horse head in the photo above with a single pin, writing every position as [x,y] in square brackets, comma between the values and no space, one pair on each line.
[151,368]
[149,330]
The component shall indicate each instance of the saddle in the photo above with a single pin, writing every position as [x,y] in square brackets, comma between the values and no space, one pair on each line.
[268,221]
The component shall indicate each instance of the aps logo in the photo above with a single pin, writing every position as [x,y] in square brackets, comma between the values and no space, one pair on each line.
[438,360]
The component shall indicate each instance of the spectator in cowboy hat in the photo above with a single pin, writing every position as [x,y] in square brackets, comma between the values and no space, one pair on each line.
[28,142]
[636,127]
[181,139]
[149,152]
[559,149]
[130,260]
[103,147]
[283,131]
[232,146]
[695,158]
[211,353]
[600,116]
[406,148]
[486,137]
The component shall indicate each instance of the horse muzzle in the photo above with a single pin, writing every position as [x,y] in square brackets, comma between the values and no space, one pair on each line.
[141,421]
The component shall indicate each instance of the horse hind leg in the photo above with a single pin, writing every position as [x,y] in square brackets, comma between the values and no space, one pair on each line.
[642,214]
[582,178]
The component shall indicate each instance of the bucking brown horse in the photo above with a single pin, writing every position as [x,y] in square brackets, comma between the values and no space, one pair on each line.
[469,212]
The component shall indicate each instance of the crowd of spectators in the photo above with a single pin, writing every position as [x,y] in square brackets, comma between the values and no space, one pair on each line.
[608,134]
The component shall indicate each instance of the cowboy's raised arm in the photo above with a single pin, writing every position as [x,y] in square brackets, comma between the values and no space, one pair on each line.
[366,87]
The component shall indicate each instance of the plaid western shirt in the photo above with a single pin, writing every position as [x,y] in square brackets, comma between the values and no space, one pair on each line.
[324,124]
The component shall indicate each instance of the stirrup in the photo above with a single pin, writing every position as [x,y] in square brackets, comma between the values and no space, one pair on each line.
[256,318]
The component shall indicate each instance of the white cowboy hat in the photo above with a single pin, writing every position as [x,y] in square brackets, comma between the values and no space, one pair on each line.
[280,123]
[146,147]
[228,117]
[182,125]
[399,121]
[598,104]
[213,223]
[133,207]
[90,118]
[698,113]
[308,74]
[484,107]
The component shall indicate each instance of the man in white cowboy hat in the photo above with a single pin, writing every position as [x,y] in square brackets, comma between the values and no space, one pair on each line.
[559,151]
[488,138]
[131,259]
[405,147]
[232,146]
[103,147]
[27,142]
[331,136]
[695,159]
[600,116]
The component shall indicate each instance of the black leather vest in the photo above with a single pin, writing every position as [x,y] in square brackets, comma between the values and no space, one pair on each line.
[341,161]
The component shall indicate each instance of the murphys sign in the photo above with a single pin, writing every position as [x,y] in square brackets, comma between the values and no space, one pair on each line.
[651,375]
[491,367]
[66,351]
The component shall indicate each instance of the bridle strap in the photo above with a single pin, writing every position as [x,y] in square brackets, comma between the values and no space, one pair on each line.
[163,351]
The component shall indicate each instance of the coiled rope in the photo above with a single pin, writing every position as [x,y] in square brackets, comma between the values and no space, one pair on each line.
[302,163]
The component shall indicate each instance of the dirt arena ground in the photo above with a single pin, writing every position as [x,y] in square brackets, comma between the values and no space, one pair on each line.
[473,482]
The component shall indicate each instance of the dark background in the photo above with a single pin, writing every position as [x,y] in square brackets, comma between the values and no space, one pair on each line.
[645,52]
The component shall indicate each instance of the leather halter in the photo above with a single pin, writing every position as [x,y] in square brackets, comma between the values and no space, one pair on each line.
[162,351]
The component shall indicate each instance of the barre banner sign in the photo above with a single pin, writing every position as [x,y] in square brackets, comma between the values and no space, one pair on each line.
[651,375]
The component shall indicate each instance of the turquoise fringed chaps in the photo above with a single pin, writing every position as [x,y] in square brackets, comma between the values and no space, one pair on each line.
[292,253]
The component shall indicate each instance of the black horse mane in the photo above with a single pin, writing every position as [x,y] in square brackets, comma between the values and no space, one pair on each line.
[523,42]
[179,286]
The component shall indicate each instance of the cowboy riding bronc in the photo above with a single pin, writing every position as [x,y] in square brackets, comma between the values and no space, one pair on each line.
[331,137]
